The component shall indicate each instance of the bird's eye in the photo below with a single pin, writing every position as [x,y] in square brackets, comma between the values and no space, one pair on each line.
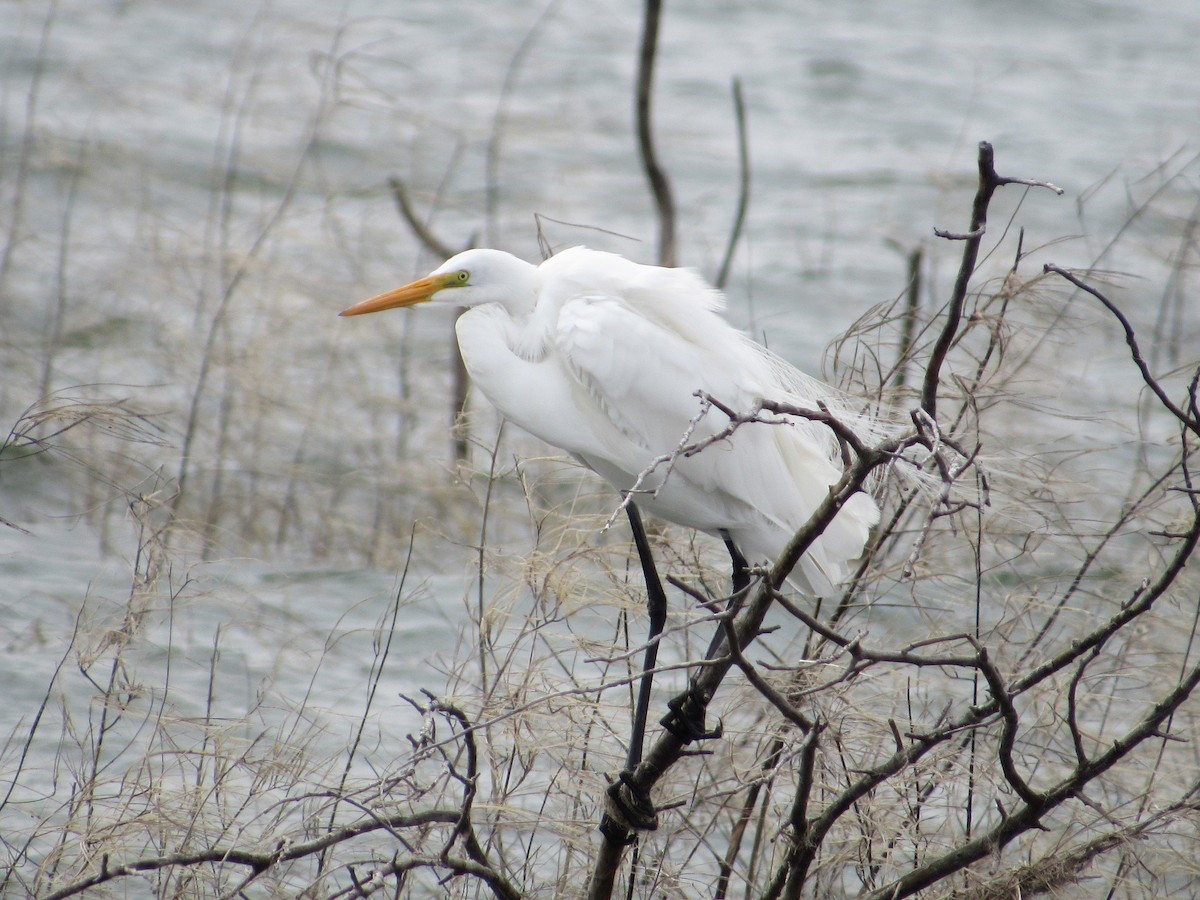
[463,276]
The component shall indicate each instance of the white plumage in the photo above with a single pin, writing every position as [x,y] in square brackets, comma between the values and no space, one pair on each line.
[601,357]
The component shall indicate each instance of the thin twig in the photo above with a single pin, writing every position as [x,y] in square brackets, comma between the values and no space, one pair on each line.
[461,380]
[420,230]
[739,216]
[1134,350]
[908,324]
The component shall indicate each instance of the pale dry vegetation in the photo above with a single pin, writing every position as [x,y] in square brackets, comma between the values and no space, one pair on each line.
[1002,703]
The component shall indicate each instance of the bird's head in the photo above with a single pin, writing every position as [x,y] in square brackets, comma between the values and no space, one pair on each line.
[471,278]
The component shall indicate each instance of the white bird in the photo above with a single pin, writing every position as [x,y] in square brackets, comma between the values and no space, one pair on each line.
[602,358]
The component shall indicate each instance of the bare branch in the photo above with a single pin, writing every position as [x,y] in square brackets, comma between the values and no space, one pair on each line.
[796,864]
[257,861]
[660,186]
[778,700]
[1027,817]
[1008,735]
[1151,382]
[988,182]
[743,203]
[431,241]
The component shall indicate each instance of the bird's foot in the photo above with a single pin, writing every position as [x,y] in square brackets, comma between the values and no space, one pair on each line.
[686,717]
[629,809]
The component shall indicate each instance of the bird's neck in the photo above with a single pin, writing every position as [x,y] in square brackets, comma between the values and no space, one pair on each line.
[529,335]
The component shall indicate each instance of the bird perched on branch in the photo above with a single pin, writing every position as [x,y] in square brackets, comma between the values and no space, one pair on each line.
[633,371]
[604,358]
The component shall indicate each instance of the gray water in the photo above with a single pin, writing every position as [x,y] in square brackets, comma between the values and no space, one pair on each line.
[150,149]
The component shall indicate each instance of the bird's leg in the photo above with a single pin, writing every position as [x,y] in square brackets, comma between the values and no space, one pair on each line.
[686,718]
[632,804]
[741,568]
[656,607]
[741,581]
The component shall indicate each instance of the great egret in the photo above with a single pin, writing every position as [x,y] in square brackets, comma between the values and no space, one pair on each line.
[602,357]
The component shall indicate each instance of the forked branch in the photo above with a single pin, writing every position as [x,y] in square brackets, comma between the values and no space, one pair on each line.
[988,182]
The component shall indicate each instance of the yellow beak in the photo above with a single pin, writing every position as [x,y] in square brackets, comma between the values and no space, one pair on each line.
[420,291]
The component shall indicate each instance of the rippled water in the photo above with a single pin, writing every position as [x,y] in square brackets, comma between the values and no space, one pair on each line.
[168,165]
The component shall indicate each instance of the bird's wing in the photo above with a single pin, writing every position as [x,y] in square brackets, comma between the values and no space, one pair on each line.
[640,376]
